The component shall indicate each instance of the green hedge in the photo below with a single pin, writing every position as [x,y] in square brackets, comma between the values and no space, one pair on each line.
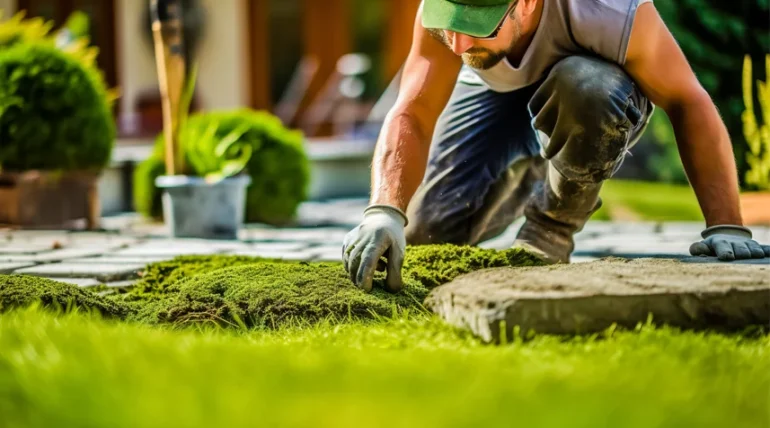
[715,35]
[55,111]
[279,167]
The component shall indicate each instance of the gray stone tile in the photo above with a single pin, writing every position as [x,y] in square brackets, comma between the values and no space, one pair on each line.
[321,235]
[682,228]
[108,259]
[327,253]
[121,284]
[765,261]
[19,248]
[299,255]
[589,297]
[67,253]
[80,282]
[583,259]
[6,268]
[170,249]
[640,250]
[101,272]
[279,246]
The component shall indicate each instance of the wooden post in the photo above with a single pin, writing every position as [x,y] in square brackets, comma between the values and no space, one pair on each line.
[169,56]
[401,16]
[258,52]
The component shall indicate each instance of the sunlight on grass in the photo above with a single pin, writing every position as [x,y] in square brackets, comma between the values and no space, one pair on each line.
[628,200]
[71,370]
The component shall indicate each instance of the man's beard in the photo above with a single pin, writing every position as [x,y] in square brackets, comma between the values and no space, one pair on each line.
[480,58]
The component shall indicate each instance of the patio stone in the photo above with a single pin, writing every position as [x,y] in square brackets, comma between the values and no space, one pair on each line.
[6,268]
[102,272]
[80,282]
[590,297]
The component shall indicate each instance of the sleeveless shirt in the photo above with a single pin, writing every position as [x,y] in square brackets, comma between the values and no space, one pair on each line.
[567,27]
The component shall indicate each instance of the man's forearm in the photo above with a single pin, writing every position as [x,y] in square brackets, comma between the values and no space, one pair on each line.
[399,160]
[706,152]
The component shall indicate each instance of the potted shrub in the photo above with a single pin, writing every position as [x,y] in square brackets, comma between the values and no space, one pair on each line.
[217,157]
[56,130]
[755,204]
[275,161]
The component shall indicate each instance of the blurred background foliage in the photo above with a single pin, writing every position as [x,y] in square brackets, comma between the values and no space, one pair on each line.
[714,35]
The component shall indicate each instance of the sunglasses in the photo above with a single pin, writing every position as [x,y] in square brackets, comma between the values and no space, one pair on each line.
[500,25]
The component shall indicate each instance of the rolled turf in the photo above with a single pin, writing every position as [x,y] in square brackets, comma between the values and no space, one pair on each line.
[247,292]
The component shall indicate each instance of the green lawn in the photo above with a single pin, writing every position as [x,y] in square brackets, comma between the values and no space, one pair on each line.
[71,370]
[647,201]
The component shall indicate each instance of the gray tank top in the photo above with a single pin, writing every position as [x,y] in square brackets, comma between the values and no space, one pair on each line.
[567,27]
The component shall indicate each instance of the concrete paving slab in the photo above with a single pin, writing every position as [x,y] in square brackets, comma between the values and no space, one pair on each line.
[320,235]
[20,248]
[6,268]
[109,259]
[80,282]
[299,255]
[100,272]
[590,297]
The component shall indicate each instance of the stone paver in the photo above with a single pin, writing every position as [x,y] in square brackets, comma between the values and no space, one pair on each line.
[590,297]
[6,268]
[130,242]
[102,272]
[321,235]
[111,259]
[20,248]
[298,255]
[80,282]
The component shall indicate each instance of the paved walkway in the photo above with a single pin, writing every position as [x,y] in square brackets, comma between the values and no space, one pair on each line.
[127,243]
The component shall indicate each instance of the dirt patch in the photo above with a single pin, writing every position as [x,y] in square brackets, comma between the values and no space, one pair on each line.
[589,297]
[257,292]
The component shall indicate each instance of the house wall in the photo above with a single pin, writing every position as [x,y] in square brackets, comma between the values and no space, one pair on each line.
[8,7]
[221,82]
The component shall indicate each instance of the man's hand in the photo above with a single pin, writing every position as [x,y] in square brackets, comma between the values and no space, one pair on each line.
[380,234]
[729,243]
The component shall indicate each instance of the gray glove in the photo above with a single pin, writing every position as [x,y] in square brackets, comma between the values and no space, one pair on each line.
[381,233]
[729,242]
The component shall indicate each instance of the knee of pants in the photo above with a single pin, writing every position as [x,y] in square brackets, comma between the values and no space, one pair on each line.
[425,228]
[585,108]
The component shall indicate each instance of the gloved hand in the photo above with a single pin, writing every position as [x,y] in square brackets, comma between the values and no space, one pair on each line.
[381,233]
[729,242]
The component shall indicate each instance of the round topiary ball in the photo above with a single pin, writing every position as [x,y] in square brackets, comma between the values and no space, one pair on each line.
[54,112]
[279,166]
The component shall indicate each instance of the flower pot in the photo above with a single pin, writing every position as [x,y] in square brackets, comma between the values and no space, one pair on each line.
[755,207]
[195,208]
[48,199]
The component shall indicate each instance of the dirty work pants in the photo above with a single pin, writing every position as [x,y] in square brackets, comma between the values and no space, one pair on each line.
[491,149]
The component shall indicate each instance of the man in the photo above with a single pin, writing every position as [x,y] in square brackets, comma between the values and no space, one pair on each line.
[551,95]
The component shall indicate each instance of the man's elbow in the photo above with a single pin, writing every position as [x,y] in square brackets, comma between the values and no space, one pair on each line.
[694,99]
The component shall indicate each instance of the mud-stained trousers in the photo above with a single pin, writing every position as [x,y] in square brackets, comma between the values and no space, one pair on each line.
[541,152]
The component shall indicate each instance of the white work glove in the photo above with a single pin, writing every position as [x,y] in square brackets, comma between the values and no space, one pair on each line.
[728,243]
[381,233]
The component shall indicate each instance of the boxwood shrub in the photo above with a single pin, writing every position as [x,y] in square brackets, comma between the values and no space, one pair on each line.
[279,166]
[55,111]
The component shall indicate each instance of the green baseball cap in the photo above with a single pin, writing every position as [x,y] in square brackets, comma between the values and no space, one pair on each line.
[478,18]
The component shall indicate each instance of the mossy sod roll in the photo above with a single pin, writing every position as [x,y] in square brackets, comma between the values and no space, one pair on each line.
[247,292]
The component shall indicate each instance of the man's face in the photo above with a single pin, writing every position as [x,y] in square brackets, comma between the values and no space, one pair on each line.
[482,54]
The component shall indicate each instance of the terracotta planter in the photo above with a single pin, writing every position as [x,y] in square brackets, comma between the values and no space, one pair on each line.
[43,199]
[755,207]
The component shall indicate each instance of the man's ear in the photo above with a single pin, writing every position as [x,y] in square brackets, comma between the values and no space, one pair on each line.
[525,8]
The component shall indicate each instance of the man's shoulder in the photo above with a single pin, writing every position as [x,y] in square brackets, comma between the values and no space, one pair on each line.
[602,27]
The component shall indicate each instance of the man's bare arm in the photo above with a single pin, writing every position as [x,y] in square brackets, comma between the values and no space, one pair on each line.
[658,65]
[402,150]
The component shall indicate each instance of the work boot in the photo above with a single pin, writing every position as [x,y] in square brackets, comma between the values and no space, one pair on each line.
[557,210]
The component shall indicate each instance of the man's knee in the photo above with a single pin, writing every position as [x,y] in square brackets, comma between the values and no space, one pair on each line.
[585,107]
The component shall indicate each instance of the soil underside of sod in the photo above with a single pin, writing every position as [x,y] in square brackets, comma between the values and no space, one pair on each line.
[254,292]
